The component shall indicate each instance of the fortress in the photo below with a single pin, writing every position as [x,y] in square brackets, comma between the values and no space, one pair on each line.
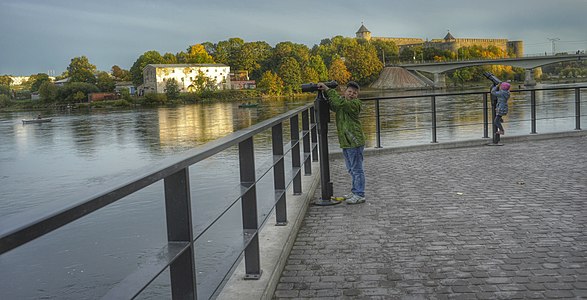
[449,42]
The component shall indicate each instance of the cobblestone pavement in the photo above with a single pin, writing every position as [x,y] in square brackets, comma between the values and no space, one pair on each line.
[471,223]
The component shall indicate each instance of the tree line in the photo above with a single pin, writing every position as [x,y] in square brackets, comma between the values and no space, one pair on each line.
[278,70]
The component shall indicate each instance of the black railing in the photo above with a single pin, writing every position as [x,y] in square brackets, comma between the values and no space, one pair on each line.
[178,255]
[487,108]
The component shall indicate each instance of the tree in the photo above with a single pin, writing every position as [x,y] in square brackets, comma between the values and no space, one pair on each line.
[227,51]
[197,55]
[172,89]
[48,91]
[37,80]
[270,83]
[317,64]
[169,58]
[149,57]
[291,74]
[5,80]
[339,72]
[120,74]
[81,70]
[202,82]
[75,92]
[386,50]
[105,82]
[252,57]
[362,63]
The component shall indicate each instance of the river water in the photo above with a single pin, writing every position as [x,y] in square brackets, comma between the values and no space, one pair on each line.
[49,165]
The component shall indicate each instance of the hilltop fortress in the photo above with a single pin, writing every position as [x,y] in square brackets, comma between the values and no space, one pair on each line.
[449,42]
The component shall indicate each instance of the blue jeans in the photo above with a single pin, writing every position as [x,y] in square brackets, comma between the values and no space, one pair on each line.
[353,158]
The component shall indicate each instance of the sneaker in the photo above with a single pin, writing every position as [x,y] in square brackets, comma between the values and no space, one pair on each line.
[355,199]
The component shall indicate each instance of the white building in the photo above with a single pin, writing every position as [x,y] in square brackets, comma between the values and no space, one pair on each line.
[155,76]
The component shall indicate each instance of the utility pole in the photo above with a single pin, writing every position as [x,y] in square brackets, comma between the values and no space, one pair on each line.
[553,40]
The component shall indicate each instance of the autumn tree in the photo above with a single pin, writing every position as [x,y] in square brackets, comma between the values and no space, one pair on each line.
[270,83]
[196,54]
[5,80]
[339,72]
[81,70]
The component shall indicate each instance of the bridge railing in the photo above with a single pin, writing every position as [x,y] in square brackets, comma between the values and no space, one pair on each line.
[178,255]
[484,106]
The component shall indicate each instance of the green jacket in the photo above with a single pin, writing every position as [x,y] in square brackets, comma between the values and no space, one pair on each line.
[348,125]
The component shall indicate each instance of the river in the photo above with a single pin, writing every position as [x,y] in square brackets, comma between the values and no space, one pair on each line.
[53,164]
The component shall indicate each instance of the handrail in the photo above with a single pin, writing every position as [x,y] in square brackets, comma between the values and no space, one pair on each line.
[178,254]
[486,110]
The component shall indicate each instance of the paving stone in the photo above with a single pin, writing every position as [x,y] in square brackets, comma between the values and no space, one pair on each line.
[451,224]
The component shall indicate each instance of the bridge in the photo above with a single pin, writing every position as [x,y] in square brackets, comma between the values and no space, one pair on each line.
[528,63]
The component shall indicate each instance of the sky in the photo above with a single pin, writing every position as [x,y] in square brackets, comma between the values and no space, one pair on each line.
[42,36]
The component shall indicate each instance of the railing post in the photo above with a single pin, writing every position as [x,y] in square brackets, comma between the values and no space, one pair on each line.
[323,114]
[485,121]
[178,213]
[577,109]
[279,174]
[533,110]
[314,131]
[249,208]
[433,107]
[295,154]
[378,123]
[307,146]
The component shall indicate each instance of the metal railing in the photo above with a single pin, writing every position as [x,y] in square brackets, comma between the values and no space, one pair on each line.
[178,254]
[484,97]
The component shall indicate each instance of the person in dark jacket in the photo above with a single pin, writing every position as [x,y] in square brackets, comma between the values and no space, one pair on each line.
[502,92]
[350,135]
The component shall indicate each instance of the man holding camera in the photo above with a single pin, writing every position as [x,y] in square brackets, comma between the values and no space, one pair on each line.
[350,135]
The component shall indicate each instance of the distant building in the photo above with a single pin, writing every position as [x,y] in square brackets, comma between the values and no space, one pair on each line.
[155,76]
[61,82]
[449,42]
[132,89]
[239,80]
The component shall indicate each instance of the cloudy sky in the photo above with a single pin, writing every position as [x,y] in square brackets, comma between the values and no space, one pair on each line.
[42,36]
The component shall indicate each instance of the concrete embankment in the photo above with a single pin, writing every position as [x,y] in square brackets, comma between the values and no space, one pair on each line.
[400,78]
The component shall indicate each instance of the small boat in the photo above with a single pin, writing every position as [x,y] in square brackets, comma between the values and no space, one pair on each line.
[248,105]
[41,120]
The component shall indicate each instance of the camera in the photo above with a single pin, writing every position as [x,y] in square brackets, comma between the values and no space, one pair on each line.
[313,87]
[492,77]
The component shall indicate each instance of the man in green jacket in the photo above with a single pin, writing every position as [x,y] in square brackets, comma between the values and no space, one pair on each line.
[350,135]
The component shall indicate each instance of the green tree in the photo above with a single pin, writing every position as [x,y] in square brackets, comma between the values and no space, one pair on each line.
[339,72]
[81,70]
[291,74]
[386,50]
[121,74]
[172,89]
[5,90]
[48,91]
[73,91]
[362,62]
[227,52]
[317,64]
[287,50]
[203,82]
[5,80]
[37,80]
[270,84]
[149,57]
[105,82]
[170,58]
[252,57]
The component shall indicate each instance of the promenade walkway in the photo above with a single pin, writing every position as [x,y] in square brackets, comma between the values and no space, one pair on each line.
[469,223]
